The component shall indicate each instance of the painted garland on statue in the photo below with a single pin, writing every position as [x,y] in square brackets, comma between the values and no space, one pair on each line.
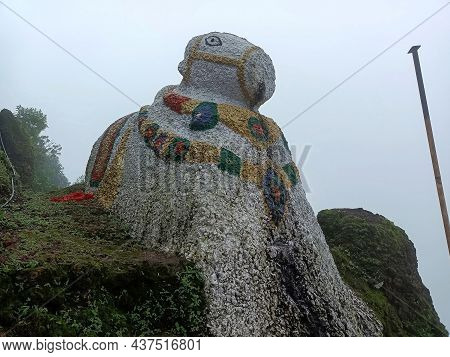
[261,131]
[112,180]
[105,149]
[275,194]
[274,181]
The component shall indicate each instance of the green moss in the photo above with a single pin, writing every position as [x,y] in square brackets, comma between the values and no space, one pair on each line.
[71,269]
[379,262]
[5,178]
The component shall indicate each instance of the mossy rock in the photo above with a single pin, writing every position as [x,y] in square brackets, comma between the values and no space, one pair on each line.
[376,258]
[71,269]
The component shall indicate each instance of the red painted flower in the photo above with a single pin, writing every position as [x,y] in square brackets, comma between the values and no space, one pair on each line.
[175,101]
[96,176]
[276,193]
[159,142]
[258,129]
[149,132]
[179,147]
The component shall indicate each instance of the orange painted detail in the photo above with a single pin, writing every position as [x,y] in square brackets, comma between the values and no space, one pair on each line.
[105,150]
[175,101]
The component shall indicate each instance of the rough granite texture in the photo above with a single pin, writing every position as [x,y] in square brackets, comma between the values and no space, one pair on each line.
[262,278]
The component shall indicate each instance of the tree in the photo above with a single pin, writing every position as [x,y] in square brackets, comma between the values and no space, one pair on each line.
[33,119]
[18,145]
[34,155]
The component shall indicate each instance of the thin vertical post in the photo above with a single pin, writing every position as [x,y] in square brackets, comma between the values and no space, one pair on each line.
[432,146]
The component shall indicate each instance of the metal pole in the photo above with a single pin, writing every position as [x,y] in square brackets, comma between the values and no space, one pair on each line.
[434,158]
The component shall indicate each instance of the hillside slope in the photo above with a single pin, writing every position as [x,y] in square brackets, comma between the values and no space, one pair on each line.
[379,262]
[71,269]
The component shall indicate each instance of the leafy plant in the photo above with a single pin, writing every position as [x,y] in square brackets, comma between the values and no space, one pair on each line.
[122,288]
[34,156]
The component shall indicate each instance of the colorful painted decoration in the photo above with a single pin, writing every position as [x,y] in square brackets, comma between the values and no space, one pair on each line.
[269,177]
[150,133]
[229,162]
[158,144]
[144,110]
[275,195]
[204,116]
[109,188]
[175,102]
[292,173]
[104,151]
[201,152]
[258,129]
[178,148]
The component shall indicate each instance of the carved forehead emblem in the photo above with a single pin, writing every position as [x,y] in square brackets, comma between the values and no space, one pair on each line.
[213,41]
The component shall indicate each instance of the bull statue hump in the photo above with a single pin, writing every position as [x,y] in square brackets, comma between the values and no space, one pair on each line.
[201,173]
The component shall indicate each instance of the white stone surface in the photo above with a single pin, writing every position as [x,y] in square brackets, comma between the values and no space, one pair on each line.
[261,280]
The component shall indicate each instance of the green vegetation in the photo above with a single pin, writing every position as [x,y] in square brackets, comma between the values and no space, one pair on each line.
[5,178]
[71,269]
[379,262]
[34,156]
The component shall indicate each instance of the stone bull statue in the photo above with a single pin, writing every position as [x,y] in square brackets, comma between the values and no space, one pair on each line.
[202,174]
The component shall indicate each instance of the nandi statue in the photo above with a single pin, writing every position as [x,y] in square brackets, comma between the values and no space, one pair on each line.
[202,174]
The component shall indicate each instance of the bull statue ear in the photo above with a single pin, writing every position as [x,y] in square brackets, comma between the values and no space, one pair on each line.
[182,66]
[259,78]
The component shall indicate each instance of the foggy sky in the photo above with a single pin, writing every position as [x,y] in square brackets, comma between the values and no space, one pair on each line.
[368,139]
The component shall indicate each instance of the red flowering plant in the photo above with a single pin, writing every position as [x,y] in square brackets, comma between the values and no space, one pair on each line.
[73,196]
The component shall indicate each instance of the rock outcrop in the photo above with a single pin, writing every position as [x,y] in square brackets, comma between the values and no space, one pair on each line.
[379,262]
[202,174]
